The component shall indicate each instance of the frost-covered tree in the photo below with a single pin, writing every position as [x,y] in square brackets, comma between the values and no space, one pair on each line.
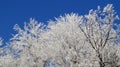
[27,44]
[66,35]
[97,27]
[6,60]
[90,40]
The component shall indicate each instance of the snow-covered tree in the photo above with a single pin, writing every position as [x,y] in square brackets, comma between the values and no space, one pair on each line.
[99,31]
[70,41]
[27,44]
[66,36]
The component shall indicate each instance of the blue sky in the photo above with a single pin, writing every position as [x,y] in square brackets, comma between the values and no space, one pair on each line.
[18,11]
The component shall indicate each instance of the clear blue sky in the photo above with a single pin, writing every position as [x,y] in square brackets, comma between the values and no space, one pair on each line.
[18,11]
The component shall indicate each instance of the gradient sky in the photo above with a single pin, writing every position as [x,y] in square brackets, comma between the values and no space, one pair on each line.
[18,11]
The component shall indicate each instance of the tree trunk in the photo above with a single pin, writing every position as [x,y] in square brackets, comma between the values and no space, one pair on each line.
[101,63]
